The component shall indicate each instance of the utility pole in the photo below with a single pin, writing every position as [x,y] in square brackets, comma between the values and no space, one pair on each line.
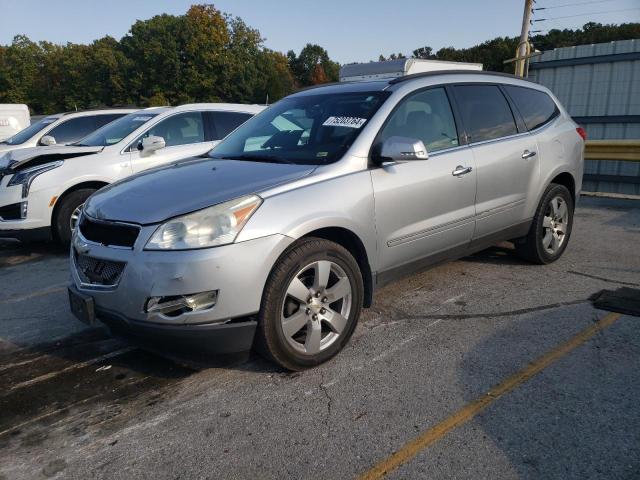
[524,38]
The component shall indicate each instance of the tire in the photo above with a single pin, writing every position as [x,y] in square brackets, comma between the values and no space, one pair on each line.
[64,210]
[550,229]
[297,323]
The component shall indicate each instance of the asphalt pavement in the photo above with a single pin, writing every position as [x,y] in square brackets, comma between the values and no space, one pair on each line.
[487,367]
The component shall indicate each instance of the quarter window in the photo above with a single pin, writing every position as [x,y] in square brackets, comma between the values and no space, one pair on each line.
[181,129]
[425,116]
[485,112]
[536,107]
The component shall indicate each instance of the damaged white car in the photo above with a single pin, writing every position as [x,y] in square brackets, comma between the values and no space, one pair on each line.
[43,189]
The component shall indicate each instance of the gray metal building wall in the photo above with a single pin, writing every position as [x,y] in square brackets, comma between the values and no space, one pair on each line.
[599,85]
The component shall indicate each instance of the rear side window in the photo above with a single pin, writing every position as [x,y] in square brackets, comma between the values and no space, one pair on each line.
[73,129]
[485,112]
[102,120]
[226,122]
[536,107]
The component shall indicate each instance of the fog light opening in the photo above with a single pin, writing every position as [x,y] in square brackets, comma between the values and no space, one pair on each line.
[172,306]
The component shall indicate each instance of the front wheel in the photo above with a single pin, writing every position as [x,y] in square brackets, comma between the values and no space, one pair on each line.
[67,213]
[551,227]
[311,304]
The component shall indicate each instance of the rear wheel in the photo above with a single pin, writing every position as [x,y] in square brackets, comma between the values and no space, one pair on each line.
[67,214]
[311,304]
[551,227]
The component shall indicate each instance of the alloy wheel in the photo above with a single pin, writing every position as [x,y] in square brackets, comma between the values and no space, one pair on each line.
[554,225]
[316,307]
[75,216]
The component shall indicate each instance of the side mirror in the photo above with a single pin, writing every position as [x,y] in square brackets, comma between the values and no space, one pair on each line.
[151,144]
[47,141]
[401,149]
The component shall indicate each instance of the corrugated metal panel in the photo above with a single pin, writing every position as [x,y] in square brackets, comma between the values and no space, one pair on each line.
[608,88]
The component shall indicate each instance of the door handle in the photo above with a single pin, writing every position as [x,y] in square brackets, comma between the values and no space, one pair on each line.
[527,154]
[460,170]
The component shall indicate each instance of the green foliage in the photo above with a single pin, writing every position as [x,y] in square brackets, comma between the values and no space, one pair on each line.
[202,56]
[209,56]
[312,66]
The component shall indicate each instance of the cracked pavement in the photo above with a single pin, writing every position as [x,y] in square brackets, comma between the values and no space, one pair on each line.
[76,403]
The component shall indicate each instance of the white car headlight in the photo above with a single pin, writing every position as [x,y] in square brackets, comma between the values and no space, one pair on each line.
[211,227]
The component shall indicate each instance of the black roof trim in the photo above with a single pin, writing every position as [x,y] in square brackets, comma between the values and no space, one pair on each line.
[454,72]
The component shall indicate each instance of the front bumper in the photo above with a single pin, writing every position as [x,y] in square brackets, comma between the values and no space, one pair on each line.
[37,224]
[196,342]
[238,272]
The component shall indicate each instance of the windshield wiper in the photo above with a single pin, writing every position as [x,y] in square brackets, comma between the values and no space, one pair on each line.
[256,158]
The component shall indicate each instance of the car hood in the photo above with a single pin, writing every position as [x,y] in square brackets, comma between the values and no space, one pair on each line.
[157,195]
[30,157]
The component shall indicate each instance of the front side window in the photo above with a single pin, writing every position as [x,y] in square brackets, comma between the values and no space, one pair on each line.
[181,129]
[485,112]
[73,129]
[117,130]
[26,133]
[536,107]
[305,129]
[425,116]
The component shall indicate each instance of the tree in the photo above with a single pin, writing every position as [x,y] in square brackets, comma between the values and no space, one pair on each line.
[313,66]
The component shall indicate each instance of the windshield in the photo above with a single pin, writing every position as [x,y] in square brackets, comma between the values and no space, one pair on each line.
[25,134]
[115,131]
[308,129]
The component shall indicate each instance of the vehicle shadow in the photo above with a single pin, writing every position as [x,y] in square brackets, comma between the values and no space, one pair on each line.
[500,254]
[14,252]
[572,420]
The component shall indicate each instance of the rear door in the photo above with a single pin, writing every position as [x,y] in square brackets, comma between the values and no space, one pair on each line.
[505,156]
[422,208]
[184,136]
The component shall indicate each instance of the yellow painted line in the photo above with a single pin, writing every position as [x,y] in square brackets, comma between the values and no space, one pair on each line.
[429,437]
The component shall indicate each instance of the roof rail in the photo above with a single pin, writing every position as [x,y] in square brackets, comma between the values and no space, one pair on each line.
[93,109]
[456,72]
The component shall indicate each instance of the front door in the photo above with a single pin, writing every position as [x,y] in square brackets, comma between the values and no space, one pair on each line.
[426,207]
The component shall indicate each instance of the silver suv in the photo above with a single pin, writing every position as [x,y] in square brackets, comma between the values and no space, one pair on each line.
[280,237]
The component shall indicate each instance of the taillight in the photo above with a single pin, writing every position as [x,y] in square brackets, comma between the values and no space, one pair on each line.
[582,132]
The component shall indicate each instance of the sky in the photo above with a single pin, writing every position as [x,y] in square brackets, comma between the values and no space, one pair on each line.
[350,30]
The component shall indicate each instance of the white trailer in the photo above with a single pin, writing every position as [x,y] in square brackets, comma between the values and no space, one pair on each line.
[399,68]
[13,118]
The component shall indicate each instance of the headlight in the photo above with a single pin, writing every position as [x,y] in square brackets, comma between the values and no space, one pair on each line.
[213,226]
[26,176]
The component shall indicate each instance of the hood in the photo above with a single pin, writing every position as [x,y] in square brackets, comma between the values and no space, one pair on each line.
[163,193]
[30,157]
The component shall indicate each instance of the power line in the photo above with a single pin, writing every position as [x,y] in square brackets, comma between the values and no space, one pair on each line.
[584,14]
[574,4]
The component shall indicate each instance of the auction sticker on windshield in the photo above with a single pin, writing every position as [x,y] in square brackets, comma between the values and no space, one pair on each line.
[350,122]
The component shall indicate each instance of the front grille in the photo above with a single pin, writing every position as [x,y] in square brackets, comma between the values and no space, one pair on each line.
[108,233]
[95,271]
[11,212]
